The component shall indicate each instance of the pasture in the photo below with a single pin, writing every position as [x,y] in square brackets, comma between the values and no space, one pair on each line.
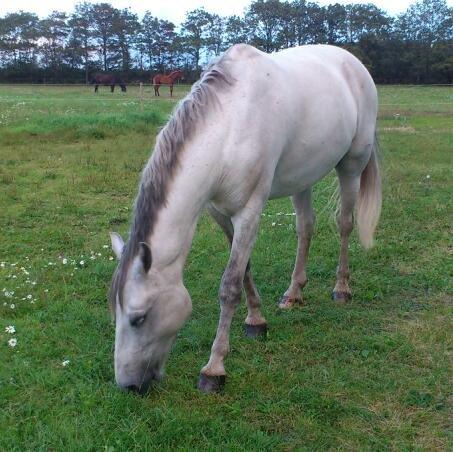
[374,374]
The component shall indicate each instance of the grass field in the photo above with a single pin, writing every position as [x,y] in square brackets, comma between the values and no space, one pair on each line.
[374,374]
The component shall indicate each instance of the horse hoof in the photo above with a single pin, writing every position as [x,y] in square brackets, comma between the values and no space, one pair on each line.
[211,383]
[341,297]
[288,303]
[254,331]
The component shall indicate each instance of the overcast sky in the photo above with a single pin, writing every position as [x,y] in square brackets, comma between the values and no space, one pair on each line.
[175,10]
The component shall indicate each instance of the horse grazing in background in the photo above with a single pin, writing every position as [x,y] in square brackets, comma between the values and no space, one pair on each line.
[169,79]
[107,80]
[233,143]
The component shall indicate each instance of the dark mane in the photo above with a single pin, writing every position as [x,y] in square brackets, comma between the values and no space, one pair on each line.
[153,188]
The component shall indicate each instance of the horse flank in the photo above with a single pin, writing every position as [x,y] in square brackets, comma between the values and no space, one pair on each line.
[161,166]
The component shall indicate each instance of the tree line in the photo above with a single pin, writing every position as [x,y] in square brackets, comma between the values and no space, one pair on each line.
[414,47]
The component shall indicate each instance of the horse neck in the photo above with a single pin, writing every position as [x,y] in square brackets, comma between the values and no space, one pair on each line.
[188,192]
[174,75]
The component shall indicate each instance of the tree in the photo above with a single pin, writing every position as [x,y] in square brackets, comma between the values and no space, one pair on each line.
[425,23]
[102,16]
[194,33]
[215,34]
[19,34]
[263,18]
[236,31]
[79,46]
[157,37]
[125,25]
[54,31]
[336,23]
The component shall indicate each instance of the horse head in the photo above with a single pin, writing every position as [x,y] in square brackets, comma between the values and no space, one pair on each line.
[152,310]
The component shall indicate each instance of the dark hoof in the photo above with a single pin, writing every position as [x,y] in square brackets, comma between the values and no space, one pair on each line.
[289,303]
[211,383]
[341,297]
[254,331]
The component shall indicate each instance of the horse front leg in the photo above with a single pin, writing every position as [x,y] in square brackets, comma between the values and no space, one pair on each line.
[245,223]
[171,90]
[96,88]
[112,88]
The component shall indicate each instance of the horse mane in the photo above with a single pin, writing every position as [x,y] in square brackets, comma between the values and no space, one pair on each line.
[160,169]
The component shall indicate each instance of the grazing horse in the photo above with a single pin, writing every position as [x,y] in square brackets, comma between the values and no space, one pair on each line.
[231,144]
[169,79]
[107,80]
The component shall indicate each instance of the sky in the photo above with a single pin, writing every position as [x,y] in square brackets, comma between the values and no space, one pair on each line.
[174,10]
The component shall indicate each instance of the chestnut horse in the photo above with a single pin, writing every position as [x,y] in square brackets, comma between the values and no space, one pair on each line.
[170,79]
[107,80]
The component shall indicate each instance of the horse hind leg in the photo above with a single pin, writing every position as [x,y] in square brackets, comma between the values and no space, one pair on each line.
[305,220]
[349,172]
[255,324]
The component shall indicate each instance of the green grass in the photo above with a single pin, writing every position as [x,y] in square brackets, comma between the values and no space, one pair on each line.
[372,375]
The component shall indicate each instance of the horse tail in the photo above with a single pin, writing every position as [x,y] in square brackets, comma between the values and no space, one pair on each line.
[370,198]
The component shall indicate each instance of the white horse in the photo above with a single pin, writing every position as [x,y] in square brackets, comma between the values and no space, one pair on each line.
[253,128]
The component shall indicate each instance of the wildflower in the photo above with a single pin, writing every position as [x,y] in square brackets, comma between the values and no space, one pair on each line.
[428,176]
[65,261]
[65,362]
[29,296]
[82,263]
[93,257]
[46,290]
[12,342]
[10,329]
[110,258]
[12,306]
[273,224]
[105,246]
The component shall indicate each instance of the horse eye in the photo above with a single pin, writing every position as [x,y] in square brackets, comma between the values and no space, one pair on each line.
[137,321]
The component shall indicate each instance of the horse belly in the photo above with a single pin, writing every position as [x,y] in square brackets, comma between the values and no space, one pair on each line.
[314,149]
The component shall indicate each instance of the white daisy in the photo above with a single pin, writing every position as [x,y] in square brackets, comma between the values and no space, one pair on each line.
[10,329]
[12,342]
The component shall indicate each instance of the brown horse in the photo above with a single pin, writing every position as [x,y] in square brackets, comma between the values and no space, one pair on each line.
[107,80]
[170,79]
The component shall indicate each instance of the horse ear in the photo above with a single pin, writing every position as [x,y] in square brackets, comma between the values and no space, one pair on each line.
[145,256]
[117,244]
